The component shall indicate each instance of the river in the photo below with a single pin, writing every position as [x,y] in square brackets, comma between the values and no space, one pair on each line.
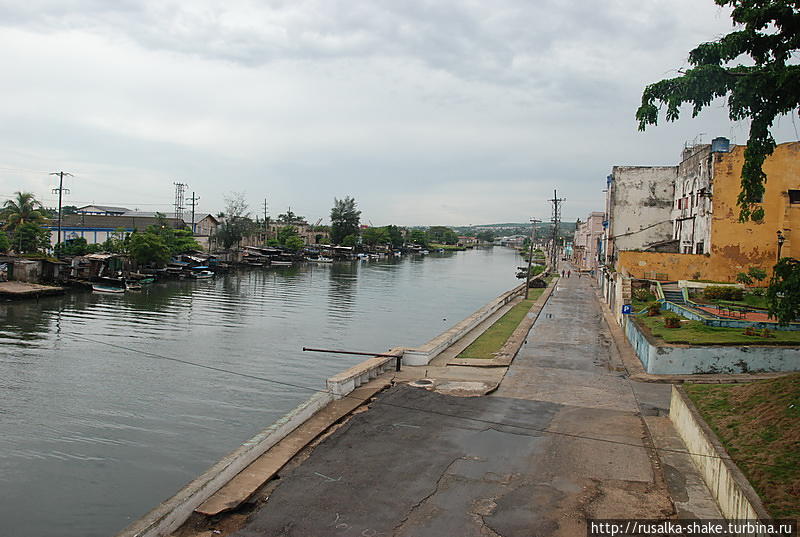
[99,422]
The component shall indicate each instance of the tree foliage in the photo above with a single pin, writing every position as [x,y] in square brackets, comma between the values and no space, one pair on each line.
[285,233]
[783,293]
[345,219]
[420,237]
[149,248]
[237,222]
[294,243]
[29,238]
[5,242]
[22,208]
[375,235]
[289,217]
[442,234]
[769,33]
[396,236]
[486,236]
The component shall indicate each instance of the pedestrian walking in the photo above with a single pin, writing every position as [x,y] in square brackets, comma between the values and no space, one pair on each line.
[569,273]
[562,273]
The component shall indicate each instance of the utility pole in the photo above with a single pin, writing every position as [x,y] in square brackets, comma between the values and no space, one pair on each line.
[179,188]
[556,220]
[534,221]
[194,199]
[60,191]
[266,220]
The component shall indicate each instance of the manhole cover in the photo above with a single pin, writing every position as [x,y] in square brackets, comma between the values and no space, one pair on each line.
[422,383]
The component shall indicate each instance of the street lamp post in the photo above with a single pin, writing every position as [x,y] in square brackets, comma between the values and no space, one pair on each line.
[781,240]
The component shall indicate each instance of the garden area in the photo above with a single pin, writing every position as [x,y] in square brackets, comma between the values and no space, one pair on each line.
[759,425]
[674,329]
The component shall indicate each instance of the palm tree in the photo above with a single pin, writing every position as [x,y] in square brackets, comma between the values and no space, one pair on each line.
[20,210]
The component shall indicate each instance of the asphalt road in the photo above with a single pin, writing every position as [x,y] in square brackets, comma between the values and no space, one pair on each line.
[562,440]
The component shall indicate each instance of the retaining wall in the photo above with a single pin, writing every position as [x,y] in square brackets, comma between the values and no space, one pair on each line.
[691,359]
[733,493]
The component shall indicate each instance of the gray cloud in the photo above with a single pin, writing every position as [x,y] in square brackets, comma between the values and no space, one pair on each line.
[426,111]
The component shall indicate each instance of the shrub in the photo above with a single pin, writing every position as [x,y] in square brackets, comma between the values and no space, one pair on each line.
[766,333]
[672,321]
[744,278]
[654,309]
[696,276]
[757,273]
[718,292]
[750,331]
[758,291]
[643,295]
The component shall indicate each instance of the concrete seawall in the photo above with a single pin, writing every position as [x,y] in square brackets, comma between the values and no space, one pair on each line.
[172,513]
[733,493]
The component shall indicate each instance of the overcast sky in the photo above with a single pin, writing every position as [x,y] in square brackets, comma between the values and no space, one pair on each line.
[427,112]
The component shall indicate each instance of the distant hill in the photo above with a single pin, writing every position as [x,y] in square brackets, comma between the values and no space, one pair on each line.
[566,229]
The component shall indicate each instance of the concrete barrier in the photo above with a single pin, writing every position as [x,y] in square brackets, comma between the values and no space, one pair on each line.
[427,352]
[173,512]
[345,382]
[733,493]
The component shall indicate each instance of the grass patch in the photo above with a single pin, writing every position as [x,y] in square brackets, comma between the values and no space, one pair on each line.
[698,333]
[759,424]
[496,335]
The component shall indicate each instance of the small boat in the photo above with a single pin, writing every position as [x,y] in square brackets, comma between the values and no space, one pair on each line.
[322,259]
[102,288]
[202,275]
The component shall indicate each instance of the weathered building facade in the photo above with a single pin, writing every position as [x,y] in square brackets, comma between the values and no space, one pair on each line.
[697,235]
[587,243]
[714,244]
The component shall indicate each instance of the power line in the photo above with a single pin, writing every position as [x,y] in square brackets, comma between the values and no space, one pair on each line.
[395,405]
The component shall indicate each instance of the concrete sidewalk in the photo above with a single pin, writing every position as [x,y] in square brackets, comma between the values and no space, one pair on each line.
[562,439]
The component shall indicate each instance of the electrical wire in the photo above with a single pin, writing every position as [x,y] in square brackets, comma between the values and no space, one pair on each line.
[404,407]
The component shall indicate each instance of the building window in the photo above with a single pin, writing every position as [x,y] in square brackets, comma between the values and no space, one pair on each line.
[699,248]
[794,196]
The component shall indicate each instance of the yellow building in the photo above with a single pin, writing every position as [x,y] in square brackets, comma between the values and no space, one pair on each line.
[710,242]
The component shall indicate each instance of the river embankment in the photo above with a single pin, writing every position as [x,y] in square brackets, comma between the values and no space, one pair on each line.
[128,397]
[237,477]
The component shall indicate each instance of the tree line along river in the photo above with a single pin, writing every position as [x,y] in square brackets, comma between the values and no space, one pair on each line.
[99,423]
